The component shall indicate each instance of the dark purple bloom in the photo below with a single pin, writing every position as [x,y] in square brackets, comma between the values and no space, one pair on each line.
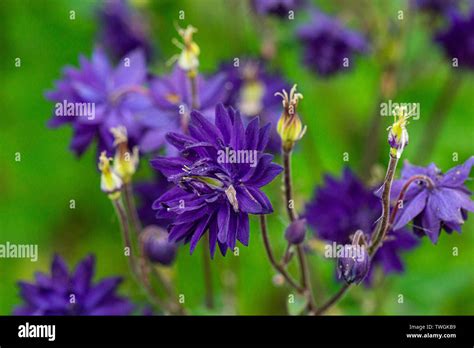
[147,193]
[278,8]
[172,99]
[157,247]
[113,94]
[441,204]
[252,91]
[435,6]
[296,231]
[218,180]
[341,207]
[457,40]
[328,45]
[123,30]
[64,293]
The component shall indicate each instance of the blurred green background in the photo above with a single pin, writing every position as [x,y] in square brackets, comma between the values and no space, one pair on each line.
[35,192]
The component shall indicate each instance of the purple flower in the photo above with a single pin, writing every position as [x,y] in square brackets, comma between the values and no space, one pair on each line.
[442,203]
[457,40]
[341,207]
[218,180]
[329,47]
[123,30]
[353,269]
[97,97]
[435,6]
[172,98]
[252,91]
[157,247]
[278,8]
[64,293]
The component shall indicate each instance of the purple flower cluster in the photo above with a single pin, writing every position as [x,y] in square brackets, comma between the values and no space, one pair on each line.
[213,193]
[342,207]
[123,30]
[328,45]
[441,201]
[65,293]
[457,39]
[114,95]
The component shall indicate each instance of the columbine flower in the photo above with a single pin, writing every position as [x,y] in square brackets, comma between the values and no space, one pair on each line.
[188,59]
[441,203]
[252,90]
[327,44]
[64,293]
[398,134]
[289,125]
[157,247]
[296,231]
[125,162]
[115,96]
[171,96]
[354,268]
[123,30]
[341,207]
[278,8]
[214,194]
[110,181]
[457,39]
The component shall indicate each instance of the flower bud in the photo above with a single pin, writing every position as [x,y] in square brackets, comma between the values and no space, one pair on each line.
[296,231]
[289,125]
[354,265]
[157,247]
[398,134]
[125,162]
[110,182]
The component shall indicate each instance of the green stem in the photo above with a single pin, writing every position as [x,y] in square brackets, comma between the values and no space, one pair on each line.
[209,299]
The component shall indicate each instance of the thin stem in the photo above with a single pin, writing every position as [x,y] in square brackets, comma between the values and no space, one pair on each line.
[207,276]
[438,115]
[336,297]
[271,257]
[138,276]
[305,279]
[131,207]
[382,227]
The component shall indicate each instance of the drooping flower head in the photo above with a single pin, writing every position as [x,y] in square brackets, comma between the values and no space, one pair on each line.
[434,201]
[172,104]
[457,39]
[188,59]
[110,181]
[72,293]
[329,47]
[252,90]
[278,8]
[156,245]
[355,264]
[125,161]
[97,97]
[123,30]
[217,180]
[342,207]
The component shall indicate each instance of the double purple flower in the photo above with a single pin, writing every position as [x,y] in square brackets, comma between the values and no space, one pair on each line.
[213,192]
[65,293]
